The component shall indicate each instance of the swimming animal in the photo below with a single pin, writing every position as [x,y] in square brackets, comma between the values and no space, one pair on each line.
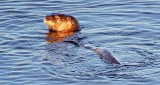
[64,27]
[61,23]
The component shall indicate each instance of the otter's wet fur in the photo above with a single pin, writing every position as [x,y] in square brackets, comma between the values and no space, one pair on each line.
[61,23]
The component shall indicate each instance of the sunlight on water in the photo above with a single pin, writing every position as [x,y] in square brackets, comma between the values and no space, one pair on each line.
[128,29]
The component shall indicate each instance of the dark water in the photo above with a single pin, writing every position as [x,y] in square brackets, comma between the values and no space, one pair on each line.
[129,29]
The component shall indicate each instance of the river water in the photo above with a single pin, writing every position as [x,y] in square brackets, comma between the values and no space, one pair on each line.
[129,29]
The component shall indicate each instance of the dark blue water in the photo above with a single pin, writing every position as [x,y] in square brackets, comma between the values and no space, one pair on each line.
[129,29]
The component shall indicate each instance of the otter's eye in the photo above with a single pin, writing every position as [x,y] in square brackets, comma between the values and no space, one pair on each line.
[47,18]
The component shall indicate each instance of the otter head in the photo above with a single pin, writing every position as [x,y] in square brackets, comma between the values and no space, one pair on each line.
[61,23]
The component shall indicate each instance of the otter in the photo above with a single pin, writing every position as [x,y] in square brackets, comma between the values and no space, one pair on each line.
[61,23]
[61,26]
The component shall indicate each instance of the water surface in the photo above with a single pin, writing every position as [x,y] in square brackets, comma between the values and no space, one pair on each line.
[129,29]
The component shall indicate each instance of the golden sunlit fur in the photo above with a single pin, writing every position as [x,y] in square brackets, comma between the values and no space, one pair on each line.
[61,23]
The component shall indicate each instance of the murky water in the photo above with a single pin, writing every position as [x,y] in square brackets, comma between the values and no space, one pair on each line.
[129,29]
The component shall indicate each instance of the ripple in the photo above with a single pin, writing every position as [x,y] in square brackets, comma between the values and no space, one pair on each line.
[129,29]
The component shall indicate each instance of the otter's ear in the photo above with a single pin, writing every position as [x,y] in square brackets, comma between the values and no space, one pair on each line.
[68,18]
[57,17]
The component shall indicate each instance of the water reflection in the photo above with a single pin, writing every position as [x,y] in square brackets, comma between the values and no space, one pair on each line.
[52,37]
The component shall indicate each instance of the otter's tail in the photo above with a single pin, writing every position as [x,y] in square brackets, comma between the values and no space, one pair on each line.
[104,53]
